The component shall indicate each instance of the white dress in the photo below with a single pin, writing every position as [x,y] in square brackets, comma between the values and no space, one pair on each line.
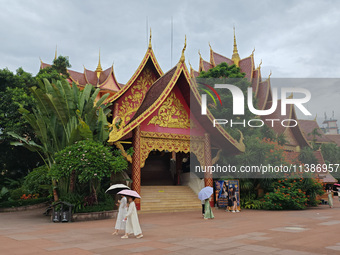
[132,223]
[122,210]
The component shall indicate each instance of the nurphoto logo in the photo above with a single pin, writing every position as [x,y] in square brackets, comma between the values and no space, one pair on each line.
[238,105]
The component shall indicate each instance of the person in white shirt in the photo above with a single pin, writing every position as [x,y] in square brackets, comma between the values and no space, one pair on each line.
[122,211]
[132,222]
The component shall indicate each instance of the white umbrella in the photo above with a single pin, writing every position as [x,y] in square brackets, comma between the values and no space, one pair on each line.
[114,189]
[130,193]
[205,193]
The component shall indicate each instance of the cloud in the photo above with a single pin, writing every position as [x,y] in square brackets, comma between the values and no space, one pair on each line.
[293,38]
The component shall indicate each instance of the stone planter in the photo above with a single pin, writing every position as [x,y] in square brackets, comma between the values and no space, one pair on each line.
[23,208]
[94,216]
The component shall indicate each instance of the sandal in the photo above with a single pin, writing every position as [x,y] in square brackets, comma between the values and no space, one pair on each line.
[125,236]
[139,236]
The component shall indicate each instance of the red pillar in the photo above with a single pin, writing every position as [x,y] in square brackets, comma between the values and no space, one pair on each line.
[208,180]
[136,174]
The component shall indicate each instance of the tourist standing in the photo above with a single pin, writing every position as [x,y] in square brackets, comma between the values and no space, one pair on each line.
[132,222]
[330,197]
[122,210]
[233,199]
[208,214]
[203,207]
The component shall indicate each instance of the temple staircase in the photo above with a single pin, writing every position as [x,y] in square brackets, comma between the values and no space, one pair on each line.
[158,199]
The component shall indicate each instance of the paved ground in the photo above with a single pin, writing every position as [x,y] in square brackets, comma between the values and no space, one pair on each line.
[313,231]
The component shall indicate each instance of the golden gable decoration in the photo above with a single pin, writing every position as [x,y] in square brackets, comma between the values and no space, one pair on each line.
[171,114]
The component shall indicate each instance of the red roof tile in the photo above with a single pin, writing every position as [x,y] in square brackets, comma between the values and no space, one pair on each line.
[262,94]
[308,126]
[77,77]
[334,138]
[256,80]
[220,59]
[207,65]
[104,75]
[247,67]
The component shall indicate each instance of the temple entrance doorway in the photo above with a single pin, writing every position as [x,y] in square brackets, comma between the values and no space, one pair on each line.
[156,171]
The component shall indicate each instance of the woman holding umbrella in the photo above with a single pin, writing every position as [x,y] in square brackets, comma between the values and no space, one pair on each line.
[132,222]
[205,194]
[122,211]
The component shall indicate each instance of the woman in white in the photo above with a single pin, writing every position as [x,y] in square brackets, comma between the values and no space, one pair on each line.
[122,211]
[132,222]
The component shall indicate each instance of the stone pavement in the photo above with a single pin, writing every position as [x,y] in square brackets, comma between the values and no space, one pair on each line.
[312,231]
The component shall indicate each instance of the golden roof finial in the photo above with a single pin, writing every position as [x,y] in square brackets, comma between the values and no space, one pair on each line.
[260,64]
[199,53]
[150,46]
[56,53]
[252,53]
[290,96]
[212,60]
[99,67]
[182,59]
[191,70]
[270,74]
[235,57]
[316,115]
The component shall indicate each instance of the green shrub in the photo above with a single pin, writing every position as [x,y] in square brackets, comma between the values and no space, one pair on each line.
[96,208]
[286,194]
[38,181]
[16,194]
[253,204]
[4,194]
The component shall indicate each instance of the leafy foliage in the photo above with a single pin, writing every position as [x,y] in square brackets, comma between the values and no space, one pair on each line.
[331,153]
[63,115]
[307,156]
[225,74]
[293,194]
[14,93]
[38,181]
[57,71]
[90,161]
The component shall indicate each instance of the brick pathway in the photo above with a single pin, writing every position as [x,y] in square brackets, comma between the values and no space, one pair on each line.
[312,231]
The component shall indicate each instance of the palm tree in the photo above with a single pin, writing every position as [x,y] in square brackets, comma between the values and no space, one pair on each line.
[63,115]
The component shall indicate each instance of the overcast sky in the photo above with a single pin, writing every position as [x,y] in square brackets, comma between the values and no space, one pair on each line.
[293,38]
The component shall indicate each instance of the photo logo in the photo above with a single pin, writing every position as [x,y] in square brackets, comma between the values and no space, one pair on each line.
[238,105]
[238,100]
[204,96]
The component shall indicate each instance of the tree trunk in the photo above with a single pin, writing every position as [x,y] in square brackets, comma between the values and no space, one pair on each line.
[72,181]
[95,194]
[55,193]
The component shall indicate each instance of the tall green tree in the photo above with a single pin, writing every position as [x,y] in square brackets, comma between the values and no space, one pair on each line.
[15,162]
[57,71]
[227,74]
[63,114]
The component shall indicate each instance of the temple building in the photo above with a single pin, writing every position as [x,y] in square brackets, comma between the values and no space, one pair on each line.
[159,115]
[105,80]
[330,125]
[298,136]
[153,112]
[263,93]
